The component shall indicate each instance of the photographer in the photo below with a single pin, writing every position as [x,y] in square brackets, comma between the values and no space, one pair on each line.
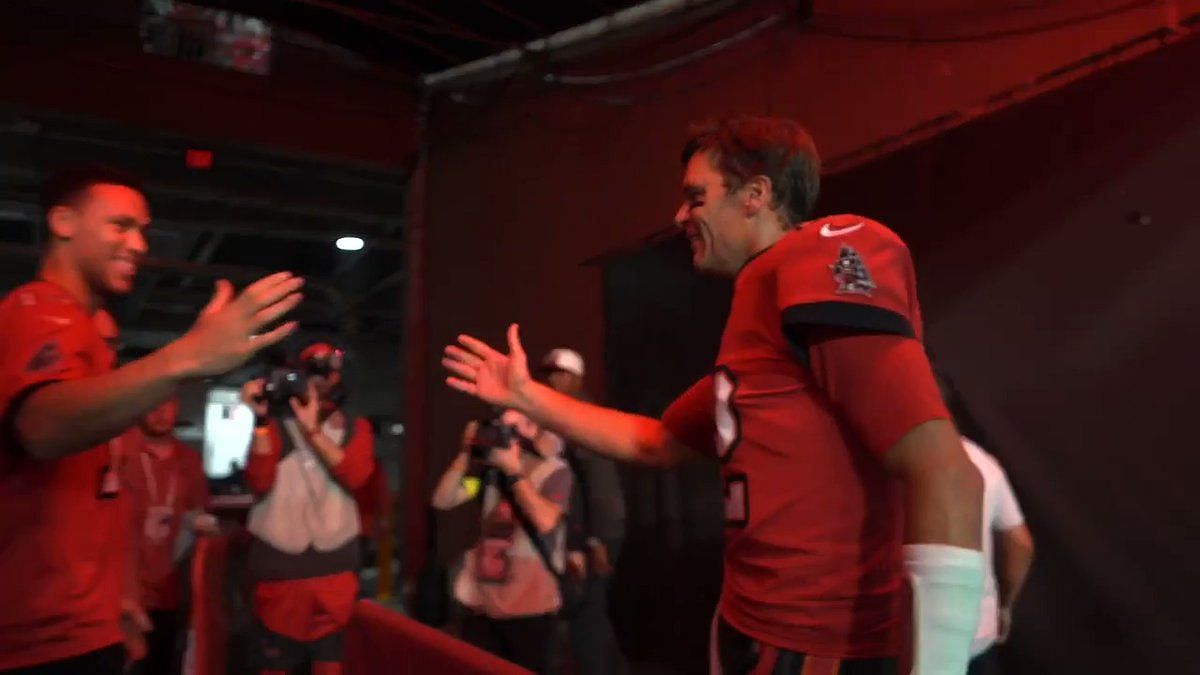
[306,459]
[510,594]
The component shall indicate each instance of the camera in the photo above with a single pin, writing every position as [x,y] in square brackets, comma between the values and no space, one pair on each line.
[492,434]
[283,383]
[288,378]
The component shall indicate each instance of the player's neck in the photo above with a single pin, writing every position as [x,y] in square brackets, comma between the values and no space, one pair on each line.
[765,233]
[68,277]
[762,235]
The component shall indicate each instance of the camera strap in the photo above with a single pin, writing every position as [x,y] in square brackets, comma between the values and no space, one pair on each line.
[570,601]
[539,544]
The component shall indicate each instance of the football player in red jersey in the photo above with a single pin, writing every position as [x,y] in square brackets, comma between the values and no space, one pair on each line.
[63,540]
[842,471]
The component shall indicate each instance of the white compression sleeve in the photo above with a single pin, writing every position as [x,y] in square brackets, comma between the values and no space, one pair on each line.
[947,584]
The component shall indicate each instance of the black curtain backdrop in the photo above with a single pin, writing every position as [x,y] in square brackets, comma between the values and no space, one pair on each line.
[1056,245]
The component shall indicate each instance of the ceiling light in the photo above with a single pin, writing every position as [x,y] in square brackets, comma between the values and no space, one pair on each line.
[350,243]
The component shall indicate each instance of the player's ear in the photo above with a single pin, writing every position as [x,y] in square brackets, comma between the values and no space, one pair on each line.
[62,221]
[756,193]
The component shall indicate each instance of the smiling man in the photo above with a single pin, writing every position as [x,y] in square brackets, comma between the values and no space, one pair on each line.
[65,604]
[842,471]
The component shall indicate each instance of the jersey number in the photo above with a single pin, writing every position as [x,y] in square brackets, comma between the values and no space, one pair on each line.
[729,425]
[729,434]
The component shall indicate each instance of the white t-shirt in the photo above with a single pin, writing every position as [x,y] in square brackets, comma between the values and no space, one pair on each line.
[503,575]
[1000,512]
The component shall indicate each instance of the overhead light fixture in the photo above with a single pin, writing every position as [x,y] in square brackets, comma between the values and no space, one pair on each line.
[350,243]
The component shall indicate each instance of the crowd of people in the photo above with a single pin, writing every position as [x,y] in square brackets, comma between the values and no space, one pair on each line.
[845,478]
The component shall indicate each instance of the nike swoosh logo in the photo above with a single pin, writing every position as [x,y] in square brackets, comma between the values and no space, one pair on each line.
[62,321]
[827,231]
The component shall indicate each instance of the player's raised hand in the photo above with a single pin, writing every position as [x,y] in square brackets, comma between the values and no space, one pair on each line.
[485,373]
[226,334]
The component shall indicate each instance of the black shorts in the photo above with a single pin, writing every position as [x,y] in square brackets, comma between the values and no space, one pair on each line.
[280,652]
[739,654]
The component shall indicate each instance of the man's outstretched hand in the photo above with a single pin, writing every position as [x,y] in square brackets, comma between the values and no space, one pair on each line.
[483,372]
[226,335]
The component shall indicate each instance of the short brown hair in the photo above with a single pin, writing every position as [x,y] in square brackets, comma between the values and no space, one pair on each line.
[780,149]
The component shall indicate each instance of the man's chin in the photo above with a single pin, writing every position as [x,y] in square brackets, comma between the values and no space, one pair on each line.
[707,266]
[118,285]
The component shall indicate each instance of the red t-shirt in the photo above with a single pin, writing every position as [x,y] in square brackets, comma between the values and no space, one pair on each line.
[62,534]
[161,491]
[813,521]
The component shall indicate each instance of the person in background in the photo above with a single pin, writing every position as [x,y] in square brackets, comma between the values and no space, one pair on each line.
[65,606]
[510,594]
[305,463]
[1007,542]
[596,529]
[168,500]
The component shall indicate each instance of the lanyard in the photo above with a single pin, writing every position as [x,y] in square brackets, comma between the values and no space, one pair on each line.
[152,485]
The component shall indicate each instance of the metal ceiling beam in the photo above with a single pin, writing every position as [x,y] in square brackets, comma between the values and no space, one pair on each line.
[270,231]
[578,37]
[234,273]
[16,210]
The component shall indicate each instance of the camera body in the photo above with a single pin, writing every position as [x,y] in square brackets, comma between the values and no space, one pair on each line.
[283,383]
[492,433]
[288,378]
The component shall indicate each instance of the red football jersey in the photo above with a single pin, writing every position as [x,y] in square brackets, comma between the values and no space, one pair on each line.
[62,534]
[813,521]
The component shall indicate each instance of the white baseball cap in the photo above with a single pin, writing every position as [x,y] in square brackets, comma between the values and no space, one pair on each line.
[564,359]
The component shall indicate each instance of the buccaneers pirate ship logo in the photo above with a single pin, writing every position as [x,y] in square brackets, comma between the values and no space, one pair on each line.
[851,273]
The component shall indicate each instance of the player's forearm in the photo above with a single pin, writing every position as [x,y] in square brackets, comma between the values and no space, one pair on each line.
[622,436]
[943,490]
[544,513]
[67,417]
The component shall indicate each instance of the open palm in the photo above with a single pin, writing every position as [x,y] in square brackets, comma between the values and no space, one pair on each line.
[481,371]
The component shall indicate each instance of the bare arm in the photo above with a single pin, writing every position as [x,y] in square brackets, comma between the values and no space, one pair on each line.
[943,490]
[331,453]
[543,512]
[622,436]
[71,416]
[66,417]
[503,379]
[1014,557]
[450,492]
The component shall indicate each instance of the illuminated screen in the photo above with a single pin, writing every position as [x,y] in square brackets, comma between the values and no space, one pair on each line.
[228,426]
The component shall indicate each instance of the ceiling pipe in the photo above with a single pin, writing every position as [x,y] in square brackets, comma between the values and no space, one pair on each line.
[497,65]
